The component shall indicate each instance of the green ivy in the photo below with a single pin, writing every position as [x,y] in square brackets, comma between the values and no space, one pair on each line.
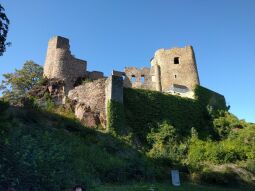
[146,109]
[209,98]
[115,117]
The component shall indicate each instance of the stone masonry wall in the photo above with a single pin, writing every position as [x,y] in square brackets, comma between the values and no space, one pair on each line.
[94,75]
[114,89]
[60,64]
[177,66]
[137,75]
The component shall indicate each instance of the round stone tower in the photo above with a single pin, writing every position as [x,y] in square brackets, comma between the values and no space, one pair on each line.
[60,64]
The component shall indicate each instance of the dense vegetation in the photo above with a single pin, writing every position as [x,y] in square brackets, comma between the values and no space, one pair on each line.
[41,150]
[43,146]
[16,85]
[146,111]
[199,137]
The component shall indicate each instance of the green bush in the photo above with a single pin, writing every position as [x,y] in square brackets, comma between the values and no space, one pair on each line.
[226,122]
[164,144]
[215,152]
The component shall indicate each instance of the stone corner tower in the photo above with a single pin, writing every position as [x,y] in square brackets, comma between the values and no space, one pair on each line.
[176,66]
[61,64]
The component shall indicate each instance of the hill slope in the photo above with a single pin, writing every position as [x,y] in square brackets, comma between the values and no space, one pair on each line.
[45,151]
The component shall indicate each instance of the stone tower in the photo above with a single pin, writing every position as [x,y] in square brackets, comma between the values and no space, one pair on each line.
[176,66]
[61,64]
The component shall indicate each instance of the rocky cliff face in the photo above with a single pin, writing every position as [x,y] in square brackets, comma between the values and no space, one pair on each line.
[89,100]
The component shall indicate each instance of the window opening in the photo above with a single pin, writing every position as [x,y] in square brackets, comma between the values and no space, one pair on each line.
[133,79]
[142,79]
[176,60]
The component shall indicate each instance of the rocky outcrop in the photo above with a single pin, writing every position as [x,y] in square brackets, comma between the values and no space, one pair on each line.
[51,87]
[89,100]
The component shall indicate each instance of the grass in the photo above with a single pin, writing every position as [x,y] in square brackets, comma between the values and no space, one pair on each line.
[169,187]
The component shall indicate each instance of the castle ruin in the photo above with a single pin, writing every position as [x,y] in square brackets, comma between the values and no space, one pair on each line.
[170,67]
[61,64]
[172,71]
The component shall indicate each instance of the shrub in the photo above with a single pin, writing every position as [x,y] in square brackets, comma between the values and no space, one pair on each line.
[164,143]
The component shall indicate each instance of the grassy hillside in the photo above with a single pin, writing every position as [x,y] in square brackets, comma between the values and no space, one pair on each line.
[45,151]
[48,149]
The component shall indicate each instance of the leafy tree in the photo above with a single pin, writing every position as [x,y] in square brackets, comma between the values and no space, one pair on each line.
[227,122]
[16,85]
[4,26]
[164,142]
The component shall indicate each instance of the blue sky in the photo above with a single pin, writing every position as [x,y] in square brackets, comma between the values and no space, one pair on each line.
[112,34]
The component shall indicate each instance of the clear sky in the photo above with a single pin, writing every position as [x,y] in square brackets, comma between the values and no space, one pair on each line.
[112,34]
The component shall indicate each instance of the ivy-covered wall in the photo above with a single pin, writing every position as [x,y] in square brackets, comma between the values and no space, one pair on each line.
[115,117]
[210,98]
[145,110]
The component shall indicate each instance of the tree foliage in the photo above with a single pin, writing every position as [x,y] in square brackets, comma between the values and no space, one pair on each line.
[4,27]
[16,85]
[165,144]
[236,145]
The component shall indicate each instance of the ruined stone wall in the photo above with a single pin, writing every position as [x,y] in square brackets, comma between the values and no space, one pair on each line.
[114,103]
[137,78]
[94,75]
[61,64]
[90,102]
[155,78]
[114,89]
[176,66]
[168,67]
